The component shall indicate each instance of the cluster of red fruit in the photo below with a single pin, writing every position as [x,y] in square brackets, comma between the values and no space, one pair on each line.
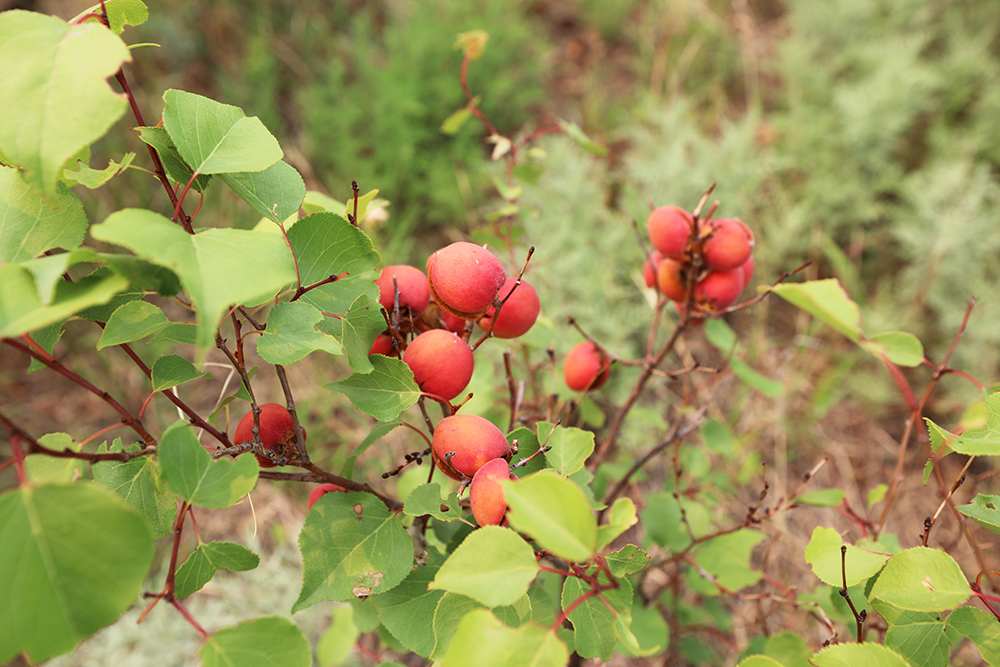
[464,283]
[470,447]
[715,256]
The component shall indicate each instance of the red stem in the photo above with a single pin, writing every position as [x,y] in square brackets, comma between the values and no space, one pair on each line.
[105,396]
[15,446]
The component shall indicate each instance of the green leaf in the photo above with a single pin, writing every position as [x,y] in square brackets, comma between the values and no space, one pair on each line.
[584,480]
[647,627]
[857,655]
[276,192]
[136,482]
[44,469]
[918,636]
[171,370]
[359,328]
[31,223]
[46,338]
[328,245]
[928,469]
[662,520]
[717,436]
[508,192]
[190,472]
[454,122]
[827,301]
[721,336]
[62,572]
[448,613]
[493,566]
[887,543]
[337,643]
[984,510]
[352,546]
[493,644]
[315,202]
[209,558]
[821,498]
[921,579]
[579,136]
[385,392]
[216,138]
[47,272]
[626,638]
[727,558]
[217,267]
[570,446]
[900,347]
[177,169]
[983,441]
[626,561]
[593,623]
[120,14]
[759,661]
[877,494]
[95,178]
[515,614]
[981,628]
[143,276]
[752,378]
[789,649]
[554,512]
[621,517]
[377,432]
[132,321]
[527,444]
[262,642]
[823,554]
[407,611]
[426,499]
[364,202]
[22,310]
[178,332]
[291,334]
[47,68]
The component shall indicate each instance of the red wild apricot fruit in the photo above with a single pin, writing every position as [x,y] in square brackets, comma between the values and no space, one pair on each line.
[518,313]
[412,283]
[276,430]
[441,362]
[669,229]
[474,441]
[729,245]
[650,266]
[586,367]
[383,345]
[670,279]
[681,309]
[485,493]
[748,267]
[453,323]
[321,491]
[720,288]
[464,279]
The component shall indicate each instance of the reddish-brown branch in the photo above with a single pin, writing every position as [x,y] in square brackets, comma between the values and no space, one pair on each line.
[58,367]
[317,474]
[193,416]
[15,448]
[161,173]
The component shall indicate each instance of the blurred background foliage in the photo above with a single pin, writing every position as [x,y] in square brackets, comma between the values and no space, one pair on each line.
[860,134]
